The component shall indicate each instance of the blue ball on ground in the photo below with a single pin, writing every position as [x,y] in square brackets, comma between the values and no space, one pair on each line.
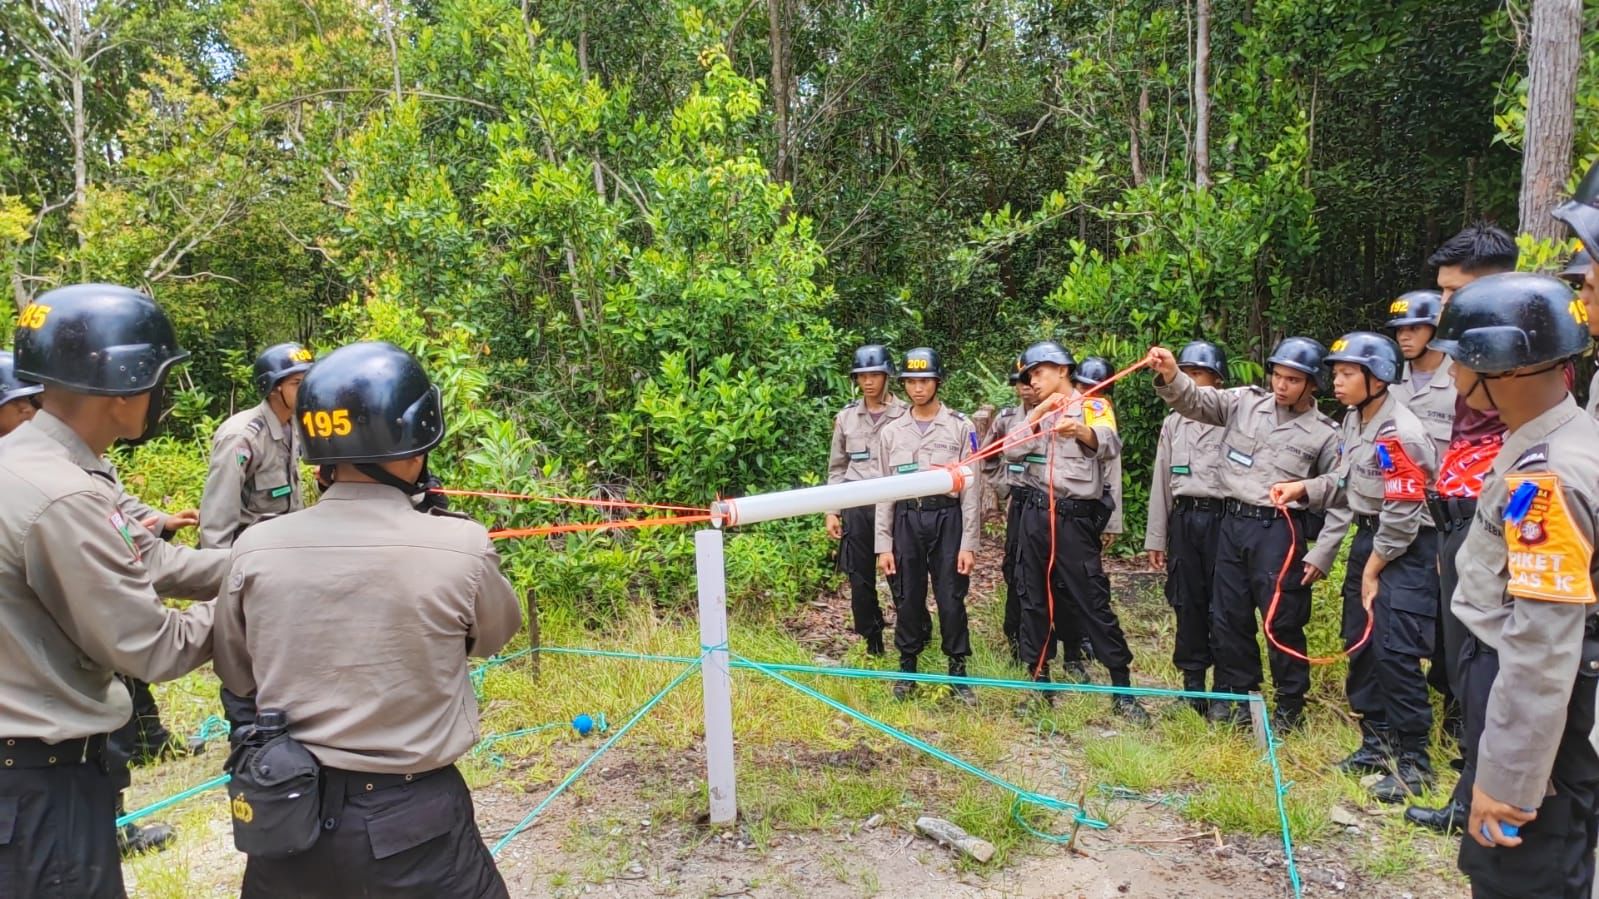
[583,724]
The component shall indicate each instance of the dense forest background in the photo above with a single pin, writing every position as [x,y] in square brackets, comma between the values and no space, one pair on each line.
[636,241]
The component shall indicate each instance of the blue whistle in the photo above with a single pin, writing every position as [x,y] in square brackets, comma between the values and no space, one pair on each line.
[1383,459]
[1521,502]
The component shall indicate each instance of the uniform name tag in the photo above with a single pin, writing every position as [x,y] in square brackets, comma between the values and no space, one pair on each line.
[281,492]
[1036,458]
[1181,469]
[907,468]
[1242,459]
[860,456]
[1015,467]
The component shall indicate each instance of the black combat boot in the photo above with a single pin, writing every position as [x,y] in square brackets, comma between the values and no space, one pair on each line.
[1124,705]
[904,688]
[1288,717]
[874,644]
[1449,820]
[1375,755]
[962,692]
[1227,713]
[1194,682]
[1411,776]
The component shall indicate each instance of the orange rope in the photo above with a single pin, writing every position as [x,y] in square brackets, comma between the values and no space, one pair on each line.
[625,524]
[1277,595]
[569,500]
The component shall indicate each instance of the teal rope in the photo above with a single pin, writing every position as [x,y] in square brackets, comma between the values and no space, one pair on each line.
[1022,795]
[172,800]
[693,666]
[870,674]
[214,727]
[1281,789]
[482,670]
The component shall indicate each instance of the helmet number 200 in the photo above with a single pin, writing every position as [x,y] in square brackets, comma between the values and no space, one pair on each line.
[323,423]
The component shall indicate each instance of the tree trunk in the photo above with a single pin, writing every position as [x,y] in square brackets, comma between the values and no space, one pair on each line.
[1136,136]
[1551,98]
[1202,95]
[777,16]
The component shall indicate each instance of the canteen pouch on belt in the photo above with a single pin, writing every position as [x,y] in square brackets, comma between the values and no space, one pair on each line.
[275,797]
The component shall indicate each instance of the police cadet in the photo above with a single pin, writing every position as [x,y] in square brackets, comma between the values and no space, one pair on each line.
[1475,437]
[362,592]
[1426,386]
[1530,663]
[78,586]
[1268,437]
[1581,215]
[854,458]
[18,400]
[1087,375]
[1185,509]
[255,469]
[1386,460]
[1063,576]
[933,537]
[1005,476]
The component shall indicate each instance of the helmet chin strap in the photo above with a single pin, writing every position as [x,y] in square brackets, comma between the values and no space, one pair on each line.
[1371,395]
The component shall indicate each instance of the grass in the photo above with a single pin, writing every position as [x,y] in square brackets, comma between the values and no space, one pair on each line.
[804,767]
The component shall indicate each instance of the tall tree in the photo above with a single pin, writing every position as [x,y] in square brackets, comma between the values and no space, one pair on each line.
[1202,94]
[1551,105]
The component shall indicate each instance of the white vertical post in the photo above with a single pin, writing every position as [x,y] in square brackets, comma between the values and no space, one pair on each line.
[714,675]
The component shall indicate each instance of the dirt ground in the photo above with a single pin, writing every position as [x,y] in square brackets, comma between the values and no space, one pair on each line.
[606,838]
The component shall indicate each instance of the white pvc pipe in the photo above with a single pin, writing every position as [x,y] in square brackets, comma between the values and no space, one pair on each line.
[715,676]
[829,497]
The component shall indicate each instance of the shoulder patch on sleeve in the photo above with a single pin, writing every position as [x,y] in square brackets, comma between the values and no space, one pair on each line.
[1549,558]
[1388,427]
[1099,411]
[241,453]
[255,427]
[125,531]
[1402,479]
[1536,455]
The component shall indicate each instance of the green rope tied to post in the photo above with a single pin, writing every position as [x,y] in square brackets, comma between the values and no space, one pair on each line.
[691,668]
[1023,796]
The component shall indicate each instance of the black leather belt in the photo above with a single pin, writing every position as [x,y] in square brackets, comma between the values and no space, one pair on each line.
[1366,522]
[1075,508]
[31,752]
[357,783]
[1451,513]
[1022,494]
[1260,513]
[928,503]
[1210,504]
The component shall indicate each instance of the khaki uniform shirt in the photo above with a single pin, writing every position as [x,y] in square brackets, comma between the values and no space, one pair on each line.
[176,571]
[254,474]
[1078,472]
[1187,463]
[356,617]
[1593,395]
[853,456]
[999,473]
[77,601]
[1526,588]
[1361,485]
[904,449]
[1433,404]
[1257,451]
[1111,470]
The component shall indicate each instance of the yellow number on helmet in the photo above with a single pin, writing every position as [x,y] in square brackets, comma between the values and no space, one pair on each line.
[33,316]
[1578,311]
[1399,307]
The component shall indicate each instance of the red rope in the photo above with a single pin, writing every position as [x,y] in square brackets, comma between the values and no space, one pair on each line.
[1277,595]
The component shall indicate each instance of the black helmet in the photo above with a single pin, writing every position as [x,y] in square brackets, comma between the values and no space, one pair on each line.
[1091,371]
[1576,271]
[368,402]
[1376,353]
[1203,354]
[1417,307]
[1500,323]
[1038,354]
[98,339]
[1581,212]
[1302,355]
[872,357]
[278,362]
[10,387]
[922,362]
